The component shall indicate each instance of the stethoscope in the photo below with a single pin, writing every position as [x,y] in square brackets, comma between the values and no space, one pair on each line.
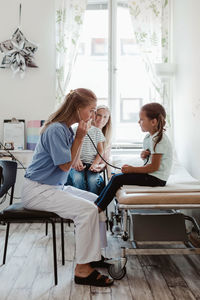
[118,168]
[115,167]
[96,147]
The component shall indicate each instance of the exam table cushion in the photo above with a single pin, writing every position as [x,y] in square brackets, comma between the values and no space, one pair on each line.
[181,188]
[158,198]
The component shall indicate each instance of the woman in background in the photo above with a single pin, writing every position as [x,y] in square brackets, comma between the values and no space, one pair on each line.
[86,172]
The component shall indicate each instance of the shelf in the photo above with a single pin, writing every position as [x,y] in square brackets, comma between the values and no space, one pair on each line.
[17,151]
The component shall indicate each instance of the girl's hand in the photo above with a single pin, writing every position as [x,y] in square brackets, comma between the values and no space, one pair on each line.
[127,169]
[144,154]
[95,168]
[79,166]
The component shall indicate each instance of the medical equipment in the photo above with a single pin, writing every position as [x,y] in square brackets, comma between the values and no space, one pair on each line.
[12,156]
[115,167]
[153,215]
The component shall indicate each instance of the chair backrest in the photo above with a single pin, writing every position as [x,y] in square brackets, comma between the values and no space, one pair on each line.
[9,171]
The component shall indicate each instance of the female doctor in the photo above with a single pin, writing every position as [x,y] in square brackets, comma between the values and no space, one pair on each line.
[56,152]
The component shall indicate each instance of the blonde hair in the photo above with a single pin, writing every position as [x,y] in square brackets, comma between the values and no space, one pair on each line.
[68,110]
[107,129]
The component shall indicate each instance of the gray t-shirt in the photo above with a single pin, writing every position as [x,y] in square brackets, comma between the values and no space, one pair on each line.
[164,147]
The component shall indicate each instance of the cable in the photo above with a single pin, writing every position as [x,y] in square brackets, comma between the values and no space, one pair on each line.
[101,155]
[147,158]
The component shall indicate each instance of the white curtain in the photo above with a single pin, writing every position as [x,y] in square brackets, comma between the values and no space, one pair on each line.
[150,19]
[69,20]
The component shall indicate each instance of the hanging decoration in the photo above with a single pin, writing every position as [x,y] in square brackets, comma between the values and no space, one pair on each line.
[18,51]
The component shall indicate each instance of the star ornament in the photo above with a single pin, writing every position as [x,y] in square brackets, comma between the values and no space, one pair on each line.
[18,53]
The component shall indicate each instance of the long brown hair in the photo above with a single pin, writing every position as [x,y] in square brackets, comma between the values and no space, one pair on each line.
[156,111]
[67,111]
[107,129]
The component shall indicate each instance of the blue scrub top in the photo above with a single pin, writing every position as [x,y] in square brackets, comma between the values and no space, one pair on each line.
[53,149]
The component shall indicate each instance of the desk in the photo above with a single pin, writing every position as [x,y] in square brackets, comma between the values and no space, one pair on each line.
[24,156]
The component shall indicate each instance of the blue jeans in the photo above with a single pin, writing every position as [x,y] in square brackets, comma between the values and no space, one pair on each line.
[86,180]
[121,179]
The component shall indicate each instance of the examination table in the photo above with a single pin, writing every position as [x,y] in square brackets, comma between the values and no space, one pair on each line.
[155,215]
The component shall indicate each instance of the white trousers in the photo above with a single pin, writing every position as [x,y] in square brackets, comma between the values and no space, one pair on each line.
[70,203]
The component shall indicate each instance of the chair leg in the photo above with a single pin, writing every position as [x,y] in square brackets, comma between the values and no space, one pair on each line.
[46,232]
[107,221]
[6,242]
[54,253]
[62,241]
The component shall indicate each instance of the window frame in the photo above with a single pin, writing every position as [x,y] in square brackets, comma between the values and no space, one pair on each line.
[111,6]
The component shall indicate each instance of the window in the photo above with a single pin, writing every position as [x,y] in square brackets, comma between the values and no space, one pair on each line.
[99,46]
[91,67]
[128,47]
[109,63]
[81,49]
[129,108]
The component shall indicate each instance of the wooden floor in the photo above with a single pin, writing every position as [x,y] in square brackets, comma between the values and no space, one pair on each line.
[28,272]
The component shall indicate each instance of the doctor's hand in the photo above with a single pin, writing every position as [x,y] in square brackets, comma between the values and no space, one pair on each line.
[82,129]
[79,166]
[89,124]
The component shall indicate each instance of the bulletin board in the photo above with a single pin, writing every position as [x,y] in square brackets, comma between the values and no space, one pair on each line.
[14,133]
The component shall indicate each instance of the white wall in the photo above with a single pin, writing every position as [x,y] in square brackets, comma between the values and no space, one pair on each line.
[33,97]
[186,49]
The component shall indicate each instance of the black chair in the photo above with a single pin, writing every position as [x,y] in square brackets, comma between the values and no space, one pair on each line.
[0,174]
[16,213]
